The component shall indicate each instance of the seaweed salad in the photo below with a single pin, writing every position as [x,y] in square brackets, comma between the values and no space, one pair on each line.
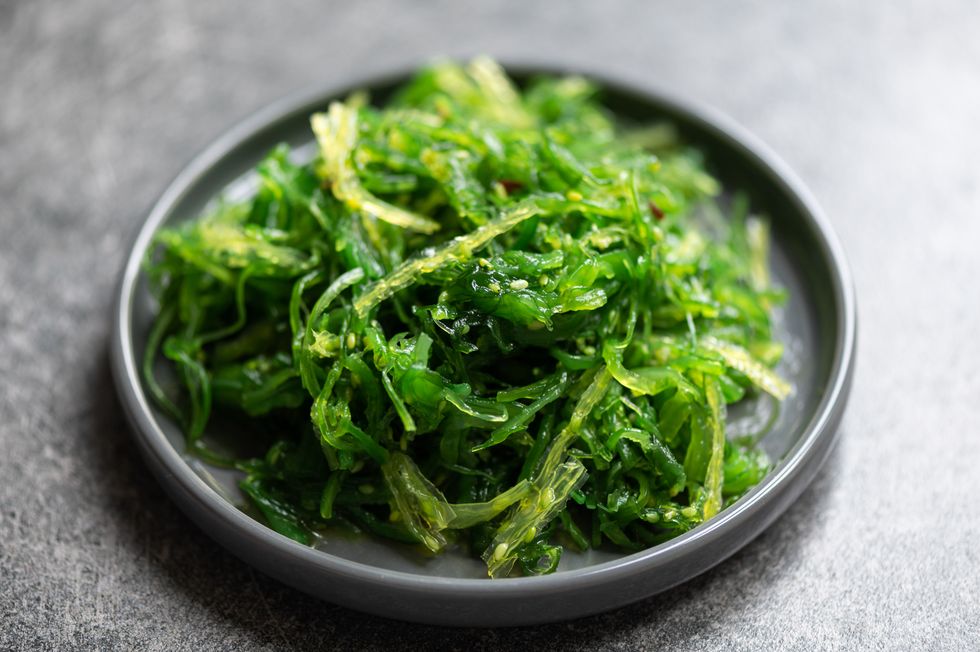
[480,316]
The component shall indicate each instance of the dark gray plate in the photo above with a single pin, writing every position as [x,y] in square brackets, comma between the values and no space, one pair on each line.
[819,324]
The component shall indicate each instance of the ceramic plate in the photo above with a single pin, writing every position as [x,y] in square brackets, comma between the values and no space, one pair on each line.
[390,579]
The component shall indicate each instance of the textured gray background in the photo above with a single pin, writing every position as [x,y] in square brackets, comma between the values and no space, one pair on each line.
[876,105]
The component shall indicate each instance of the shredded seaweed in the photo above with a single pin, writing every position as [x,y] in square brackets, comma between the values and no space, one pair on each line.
[481,316]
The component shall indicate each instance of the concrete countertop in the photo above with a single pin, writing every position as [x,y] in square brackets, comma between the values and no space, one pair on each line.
[874,104]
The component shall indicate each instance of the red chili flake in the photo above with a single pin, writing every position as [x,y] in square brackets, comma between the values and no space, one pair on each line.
[510,185]
[656,210]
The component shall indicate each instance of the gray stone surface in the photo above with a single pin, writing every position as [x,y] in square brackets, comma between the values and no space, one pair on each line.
[876,106]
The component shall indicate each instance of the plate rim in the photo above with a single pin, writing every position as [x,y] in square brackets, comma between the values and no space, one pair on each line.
[175,474]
